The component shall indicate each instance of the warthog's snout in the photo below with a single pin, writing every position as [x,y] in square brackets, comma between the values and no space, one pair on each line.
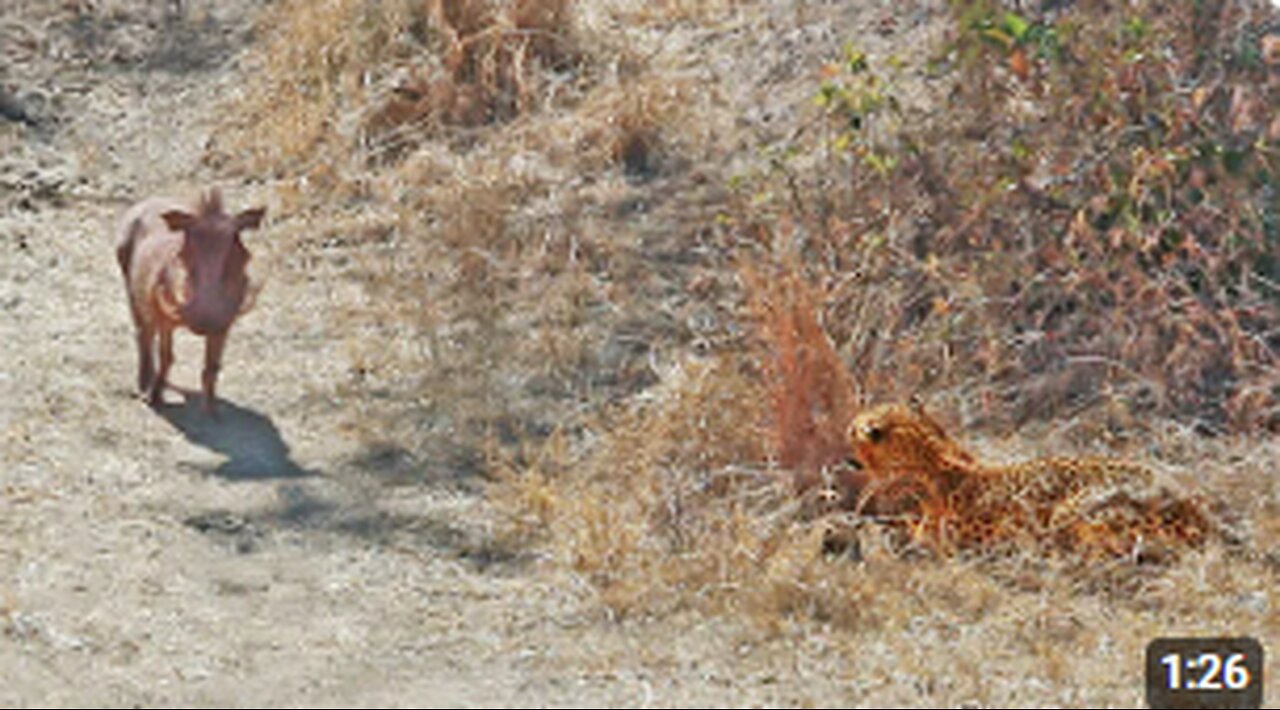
[209,320]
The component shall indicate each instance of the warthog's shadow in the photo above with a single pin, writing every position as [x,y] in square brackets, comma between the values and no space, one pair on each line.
[249,440]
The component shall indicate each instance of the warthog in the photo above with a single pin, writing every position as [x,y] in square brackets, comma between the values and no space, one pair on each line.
[184,264]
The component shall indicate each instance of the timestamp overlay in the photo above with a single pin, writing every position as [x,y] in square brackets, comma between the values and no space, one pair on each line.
[1222,672]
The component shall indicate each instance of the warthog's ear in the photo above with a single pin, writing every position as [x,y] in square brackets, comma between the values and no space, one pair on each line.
[250,219]
[178,220]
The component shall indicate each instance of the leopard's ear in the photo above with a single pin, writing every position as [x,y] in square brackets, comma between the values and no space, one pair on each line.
[916,403]
[951,454]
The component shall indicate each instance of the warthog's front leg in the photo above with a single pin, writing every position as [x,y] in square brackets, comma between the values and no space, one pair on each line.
[213,345]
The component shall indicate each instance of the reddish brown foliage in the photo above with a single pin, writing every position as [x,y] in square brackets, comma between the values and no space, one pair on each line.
[811,395]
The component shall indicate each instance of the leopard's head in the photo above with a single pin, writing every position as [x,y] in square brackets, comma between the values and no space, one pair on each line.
[896,439]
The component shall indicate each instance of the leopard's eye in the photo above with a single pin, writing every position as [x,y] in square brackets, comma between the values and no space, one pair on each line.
[874,434]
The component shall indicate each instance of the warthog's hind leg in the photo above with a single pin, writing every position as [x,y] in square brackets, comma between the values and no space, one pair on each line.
[156,396]
[146,364]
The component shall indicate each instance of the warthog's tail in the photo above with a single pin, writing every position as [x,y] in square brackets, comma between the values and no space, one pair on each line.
[124,250]
[124,256]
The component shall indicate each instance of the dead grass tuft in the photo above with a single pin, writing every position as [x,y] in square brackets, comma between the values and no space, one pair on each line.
[811,396]
[487,63]
[346,82]
[664,474]
[630,128]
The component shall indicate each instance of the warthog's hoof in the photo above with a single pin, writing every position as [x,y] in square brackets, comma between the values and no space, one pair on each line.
[209,407]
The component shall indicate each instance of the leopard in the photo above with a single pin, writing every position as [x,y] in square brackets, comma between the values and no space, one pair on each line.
[938,495]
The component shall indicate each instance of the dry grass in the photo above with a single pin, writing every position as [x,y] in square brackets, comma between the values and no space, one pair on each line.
[310,65]
[812,396]
[646,317]
[491,65]
[346,82]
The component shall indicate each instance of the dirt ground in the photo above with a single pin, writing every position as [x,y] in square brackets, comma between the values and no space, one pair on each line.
[271,557]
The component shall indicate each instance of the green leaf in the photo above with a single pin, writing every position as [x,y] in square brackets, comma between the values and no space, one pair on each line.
[883,164]
[1233,159]
[1136,28]
[1045,39]
[1020,150]
[871,101]
[857,62]
[1000,37]
[1015,26]
[826,93]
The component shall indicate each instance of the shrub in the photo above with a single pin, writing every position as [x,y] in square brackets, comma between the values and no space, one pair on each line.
[1090,219]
